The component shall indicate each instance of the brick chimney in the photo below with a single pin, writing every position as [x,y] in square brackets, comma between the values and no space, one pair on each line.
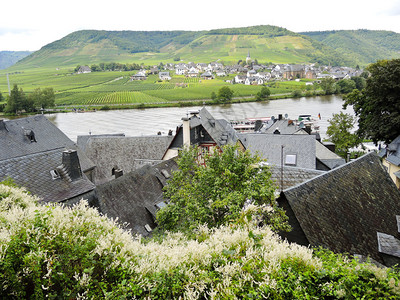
[71,163]
[186,132]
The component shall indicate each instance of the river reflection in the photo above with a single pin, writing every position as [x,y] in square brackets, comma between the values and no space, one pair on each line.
[136,122]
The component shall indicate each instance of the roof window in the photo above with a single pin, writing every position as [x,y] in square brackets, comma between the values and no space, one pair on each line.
[54,174]
[30,135]
[291,159]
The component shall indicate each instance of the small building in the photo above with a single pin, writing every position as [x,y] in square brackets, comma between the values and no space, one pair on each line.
[294,71]
[164,76]
[141,75]
[207,75]
[84,70]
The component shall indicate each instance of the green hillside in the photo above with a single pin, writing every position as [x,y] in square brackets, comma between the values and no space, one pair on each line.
[8,58]
[265,43]
[360,46]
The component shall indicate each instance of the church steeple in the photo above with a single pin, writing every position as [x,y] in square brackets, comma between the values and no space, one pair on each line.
[248,58]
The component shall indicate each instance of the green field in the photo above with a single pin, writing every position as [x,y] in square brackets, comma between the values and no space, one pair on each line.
[115,88]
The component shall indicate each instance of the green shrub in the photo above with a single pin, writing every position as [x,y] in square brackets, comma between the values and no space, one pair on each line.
[50,251]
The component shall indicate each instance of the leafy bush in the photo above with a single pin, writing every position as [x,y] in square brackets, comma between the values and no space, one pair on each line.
[50,251]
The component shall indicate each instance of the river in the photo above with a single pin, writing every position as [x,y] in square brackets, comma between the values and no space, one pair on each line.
[136,122]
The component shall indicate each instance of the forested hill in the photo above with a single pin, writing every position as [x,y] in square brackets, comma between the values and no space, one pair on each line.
[362,46]
[8,58]
[230,45]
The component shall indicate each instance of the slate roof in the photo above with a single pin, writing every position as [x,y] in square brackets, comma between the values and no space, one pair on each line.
[15,143]
[344,208]
[268,146]
[132,198]
[33,172]
[327,157]
[127,153]
[284,127]
[388,244]
[217,131]
[292,176]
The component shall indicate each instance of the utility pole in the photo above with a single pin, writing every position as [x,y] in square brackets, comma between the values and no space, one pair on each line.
[282,146]
[9,90]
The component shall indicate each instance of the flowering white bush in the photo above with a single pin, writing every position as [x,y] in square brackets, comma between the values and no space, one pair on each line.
[54,251]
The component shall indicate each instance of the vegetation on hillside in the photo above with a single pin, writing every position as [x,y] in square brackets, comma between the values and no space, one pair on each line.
[360,46]
[8,58]
[267,43]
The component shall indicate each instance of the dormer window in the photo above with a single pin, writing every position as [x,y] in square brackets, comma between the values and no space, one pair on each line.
[54,174]
[30,135]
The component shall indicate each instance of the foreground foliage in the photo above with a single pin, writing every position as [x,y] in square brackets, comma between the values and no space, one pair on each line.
[74,253]
[212,190]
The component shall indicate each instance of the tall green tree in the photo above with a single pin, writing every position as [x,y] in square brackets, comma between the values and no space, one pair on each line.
[215,192]
[16,102]
[345,86]
[378,105]
[43,98]
[339,133]
[328,85]
[225,94]
[263,94]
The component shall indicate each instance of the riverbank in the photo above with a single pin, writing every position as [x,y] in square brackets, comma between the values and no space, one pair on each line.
[185,103]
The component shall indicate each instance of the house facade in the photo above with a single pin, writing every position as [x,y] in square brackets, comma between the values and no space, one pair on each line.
[391,160]
[203,130]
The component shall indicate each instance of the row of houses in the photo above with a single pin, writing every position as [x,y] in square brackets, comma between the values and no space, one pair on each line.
[346,207]
[249,75]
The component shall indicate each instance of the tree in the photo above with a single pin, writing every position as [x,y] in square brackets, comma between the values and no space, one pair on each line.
[215,192]
[213,96]
[263,94]
[43,98]
[345,86]
[360,82]
[378,105]
[328,85]
[15,101]
[339,133]
[225,94]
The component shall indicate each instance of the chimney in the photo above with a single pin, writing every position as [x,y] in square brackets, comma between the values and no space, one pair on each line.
[118,173]
[2,125]
[70,161]
[186,132]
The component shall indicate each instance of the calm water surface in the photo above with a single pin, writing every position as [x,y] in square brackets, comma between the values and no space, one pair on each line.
[137,122]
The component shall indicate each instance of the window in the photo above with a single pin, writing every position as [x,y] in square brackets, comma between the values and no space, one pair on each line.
[54,174]
[291,159]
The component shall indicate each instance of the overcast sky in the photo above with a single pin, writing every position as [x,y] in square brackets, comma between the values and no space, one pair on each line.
[30,24]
